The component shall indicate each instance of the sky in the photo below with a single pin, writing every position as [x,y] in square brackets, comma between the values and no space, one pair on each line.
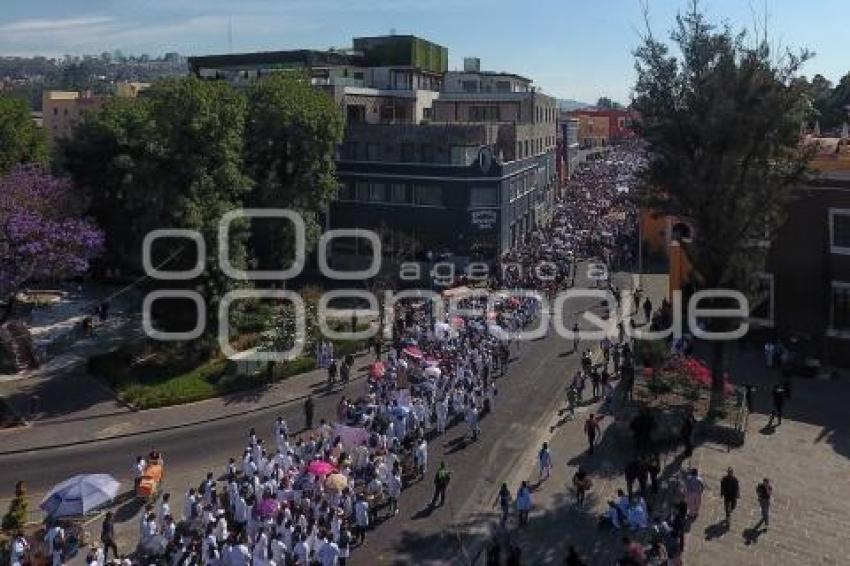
[579,49]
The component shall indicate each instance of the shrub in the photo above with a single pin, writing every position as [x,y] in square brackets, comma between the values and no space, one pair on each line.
[16,517]
[651,353]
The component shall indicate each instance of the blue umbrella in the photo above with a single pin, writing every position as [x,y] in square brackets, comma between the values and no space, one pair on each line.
[80,495]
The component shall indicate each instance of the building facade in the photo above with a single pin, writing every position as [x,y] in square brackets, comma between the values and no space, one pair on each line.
[461,162]
[602,126]
[62,110]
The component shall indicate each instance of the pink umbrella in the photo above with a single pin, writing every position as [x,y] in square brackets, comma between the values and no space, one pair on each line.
[268,508]
[414,352]
[320,468]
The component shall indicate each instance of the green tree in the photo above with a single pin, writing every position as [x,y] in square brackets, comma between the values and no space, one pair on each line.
[722,123]
[171,159]
[292,134]
[16,517]
[21,141]
[608,104]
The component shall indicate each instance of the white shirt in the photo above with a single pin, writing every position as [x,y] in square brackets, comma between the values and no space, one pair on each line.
[328,554]
[361,513]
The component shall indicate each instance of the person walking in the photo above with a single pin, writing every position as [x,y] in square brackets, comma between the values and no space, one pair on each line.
[523,503]
[694,487]
[730,492]
[780,395]
[332,371]
[575,337]
[686,433]
[361,518]
[573,558]
[309,409]
[504,500]
[592,430]
[441,483]
[544,459]
[582,484]
[107,535]
[764,493]
[647,309]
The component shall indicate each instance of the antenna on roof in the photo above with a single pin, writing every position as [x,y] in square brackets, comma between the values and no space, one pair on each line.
[230,33]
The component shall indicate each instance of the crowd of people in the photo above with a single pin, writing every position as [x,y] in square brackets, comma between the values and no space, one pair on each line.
[311,497]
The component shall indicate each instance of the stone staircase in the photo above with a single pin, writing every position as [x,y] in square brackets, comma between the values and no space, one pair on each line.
[16,347]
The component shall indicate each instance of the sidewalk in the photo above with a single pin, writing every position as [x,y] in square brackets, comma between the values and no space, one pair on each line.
[86,428]
[807,459]
[62,385]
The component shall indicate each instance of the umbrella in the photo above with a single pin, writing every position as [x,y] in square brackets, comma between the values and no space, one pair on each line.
[377,369]
[79,495]
[320,468]
[432,362]
[268,507]
[336,482]
[414,352]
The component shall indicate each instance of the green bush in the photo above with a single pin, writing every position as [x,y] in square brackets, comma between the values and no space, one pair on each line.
[651,353]
[16,518]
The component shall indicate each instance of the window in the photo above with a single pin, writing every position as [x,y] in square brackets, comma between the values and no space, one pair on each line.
[526,149]
[427,153]
[55,111]
[362,191]
[349,150]
[386,113]
[373,152]
[358,75]
[469,86]
[462,154]
[355,113]
[483,196]
[345,192]
[839,319]
[408,152]
[427,113]
[377,192]
[839,230]
[484,113]
[400,193]
[761,308]
[429,195]
[503,86]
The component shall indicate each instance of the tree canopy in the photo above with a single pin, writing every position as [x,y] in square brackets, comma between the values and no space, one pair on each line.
[43,233]
[291,139]
[21,141]
[721,122]
[190,151]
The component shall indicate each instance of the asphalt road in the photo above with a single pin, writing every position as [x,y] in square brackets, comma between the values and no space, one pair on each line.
[527,395]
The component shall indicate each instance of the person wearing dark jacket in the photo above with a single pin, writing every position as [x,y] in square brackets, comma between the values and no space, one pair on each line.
[730,492]
[309,408]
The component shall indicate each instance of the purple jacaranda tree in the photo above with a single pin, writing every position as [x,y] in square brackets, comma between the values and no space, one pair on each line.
[43,234]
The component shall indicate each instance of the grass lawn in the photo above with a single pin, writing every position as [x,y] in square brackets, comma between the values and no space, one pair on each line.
[161,381]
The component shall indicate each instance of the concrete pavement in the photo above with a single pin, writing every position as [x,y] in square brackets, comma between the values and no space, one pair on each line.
[529,393]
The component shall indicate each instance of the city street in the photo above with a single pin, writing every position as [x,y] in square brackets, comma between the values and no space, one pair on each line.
[527,397]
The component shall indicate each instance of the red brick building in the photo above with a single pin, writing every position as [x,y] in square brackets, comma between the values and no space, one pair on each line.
[619,121]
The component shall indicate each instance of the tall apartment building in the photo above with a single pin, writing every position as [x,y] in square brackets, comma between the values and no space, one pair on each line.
[458,161]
